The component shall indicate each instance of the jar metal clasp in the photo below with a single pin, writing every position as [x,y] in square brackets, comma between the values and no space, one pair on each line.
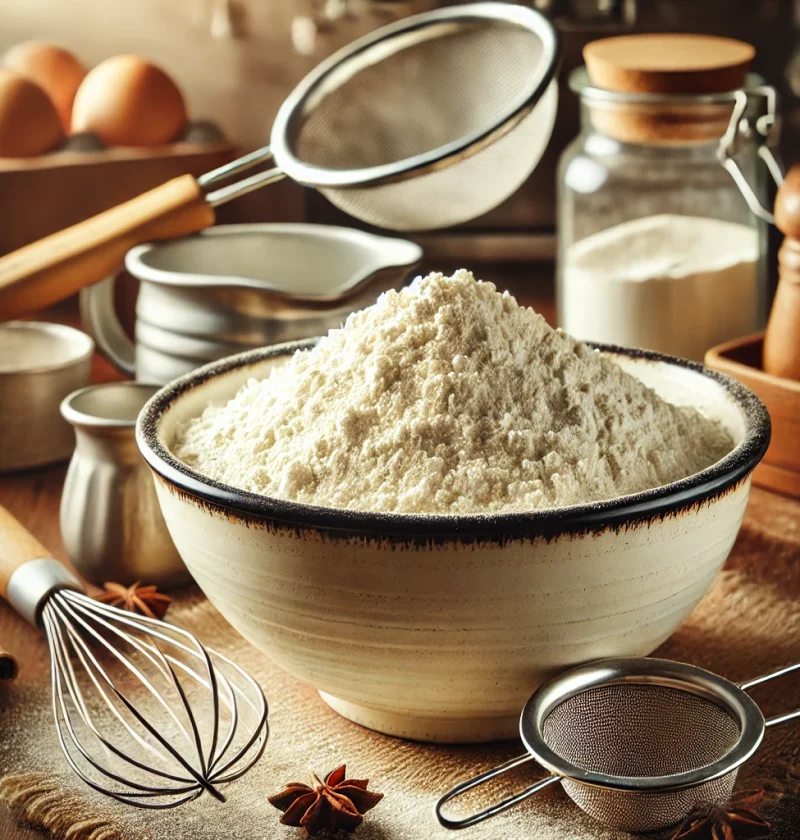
[762,130]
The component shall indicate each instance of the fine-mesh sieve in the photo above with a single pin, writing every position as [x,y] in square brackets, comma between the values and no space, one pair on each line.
[637,743]
[429,122]
[424,123]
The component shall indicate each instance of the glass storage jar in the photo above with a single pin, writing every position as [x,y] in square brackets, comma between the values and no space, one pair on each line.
[659,246]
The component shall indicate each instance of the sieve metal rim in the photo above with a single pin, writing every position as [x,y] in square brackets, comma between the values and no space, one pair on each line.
[320,81]
[644,671]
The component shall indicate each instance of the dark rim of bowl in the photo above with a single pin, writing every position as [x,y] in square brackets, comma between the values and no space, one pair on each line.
[601,515]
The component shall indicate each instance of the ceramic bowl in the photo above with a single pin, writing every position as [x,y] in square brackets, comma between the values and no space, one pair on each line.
[438,628]
[40,364]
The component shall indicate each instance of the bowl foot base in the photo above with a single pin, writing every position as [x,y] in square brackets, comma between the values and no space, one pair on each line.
[431,729]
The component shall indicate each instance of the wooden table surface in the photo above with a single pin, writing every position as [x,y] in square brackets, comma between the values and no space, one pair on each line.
[34,497]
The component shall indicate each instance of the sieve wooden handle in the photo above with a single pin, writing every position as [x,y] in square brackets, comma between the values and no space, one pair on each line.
[45,272]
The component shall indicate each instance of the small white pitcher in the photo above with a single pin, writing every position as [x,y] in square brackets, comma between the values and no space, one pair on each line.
[111,521]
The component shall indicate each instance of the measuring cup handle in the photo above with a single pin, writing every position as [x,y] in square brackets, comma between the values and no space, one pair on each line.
[498,807]
[774,675]
[99,316]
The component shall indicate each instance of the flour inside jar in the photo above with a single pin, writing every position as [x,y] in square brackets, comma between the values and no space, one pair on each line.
[449,398]
[676,284]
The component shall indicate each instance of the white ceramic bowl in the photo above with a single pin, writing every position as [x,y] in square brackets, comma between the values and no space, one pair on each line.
[40,364]
[439,627]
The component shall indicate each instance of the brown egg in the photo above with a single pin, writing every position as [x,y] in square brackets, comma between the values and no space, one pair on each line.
[129,102]
[29,123]
[57,72]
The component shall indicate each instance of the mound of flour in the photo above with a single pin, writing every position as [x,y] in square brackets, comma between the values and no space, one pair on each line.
[448,397]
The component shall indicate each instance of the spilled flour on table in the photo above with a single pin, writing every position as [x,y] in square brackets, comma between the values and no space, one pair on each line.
[449,398]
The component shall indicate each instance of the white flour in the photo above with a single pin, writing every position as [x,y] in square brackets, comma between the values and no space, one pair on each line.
[676,284]
[448,397]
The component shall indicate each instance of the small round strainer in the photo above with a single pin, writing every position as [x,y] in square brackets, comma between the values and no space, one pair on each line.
[637,743]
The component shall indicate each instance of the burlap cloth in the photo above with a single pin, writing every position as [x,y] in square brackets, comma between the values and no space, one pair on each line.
[749,623]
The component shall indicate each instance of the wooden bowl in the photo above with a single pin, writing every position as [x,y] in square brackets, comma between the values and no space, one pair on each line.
[780,469]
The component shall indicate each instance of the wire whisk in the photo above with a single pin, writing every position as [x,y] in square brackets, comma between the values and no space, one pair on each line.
[144,712]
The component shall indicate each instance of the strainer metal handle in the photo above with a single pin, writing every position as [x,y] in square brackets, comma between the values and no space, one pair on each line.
[656,672]
[497,808]
[765,678]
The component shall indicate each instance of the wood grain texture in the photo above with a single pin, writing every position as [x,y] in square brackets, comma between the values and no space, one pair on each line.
[669,63]
[46,194]
[17,547]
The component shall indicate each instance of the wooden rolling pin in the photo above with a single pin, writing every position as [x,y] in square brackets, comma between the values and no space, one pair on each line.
[782,339]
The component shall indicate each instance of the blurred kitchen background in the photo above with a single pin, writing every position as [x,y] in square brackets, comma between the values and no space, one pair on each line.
[236,60]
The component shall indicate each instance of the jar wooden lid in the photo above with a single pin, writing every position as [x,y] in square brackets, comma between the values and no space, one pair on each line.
[669,63]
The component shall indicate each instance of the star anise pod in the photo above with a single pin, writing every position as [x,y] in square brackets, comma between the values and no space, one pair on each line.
[145,600]
[335,804]
[737,820]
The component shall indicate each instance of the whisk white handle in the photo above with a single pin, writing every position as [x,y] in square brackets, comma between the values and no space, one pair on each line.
[473,819]
[28,574]
[31,584]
